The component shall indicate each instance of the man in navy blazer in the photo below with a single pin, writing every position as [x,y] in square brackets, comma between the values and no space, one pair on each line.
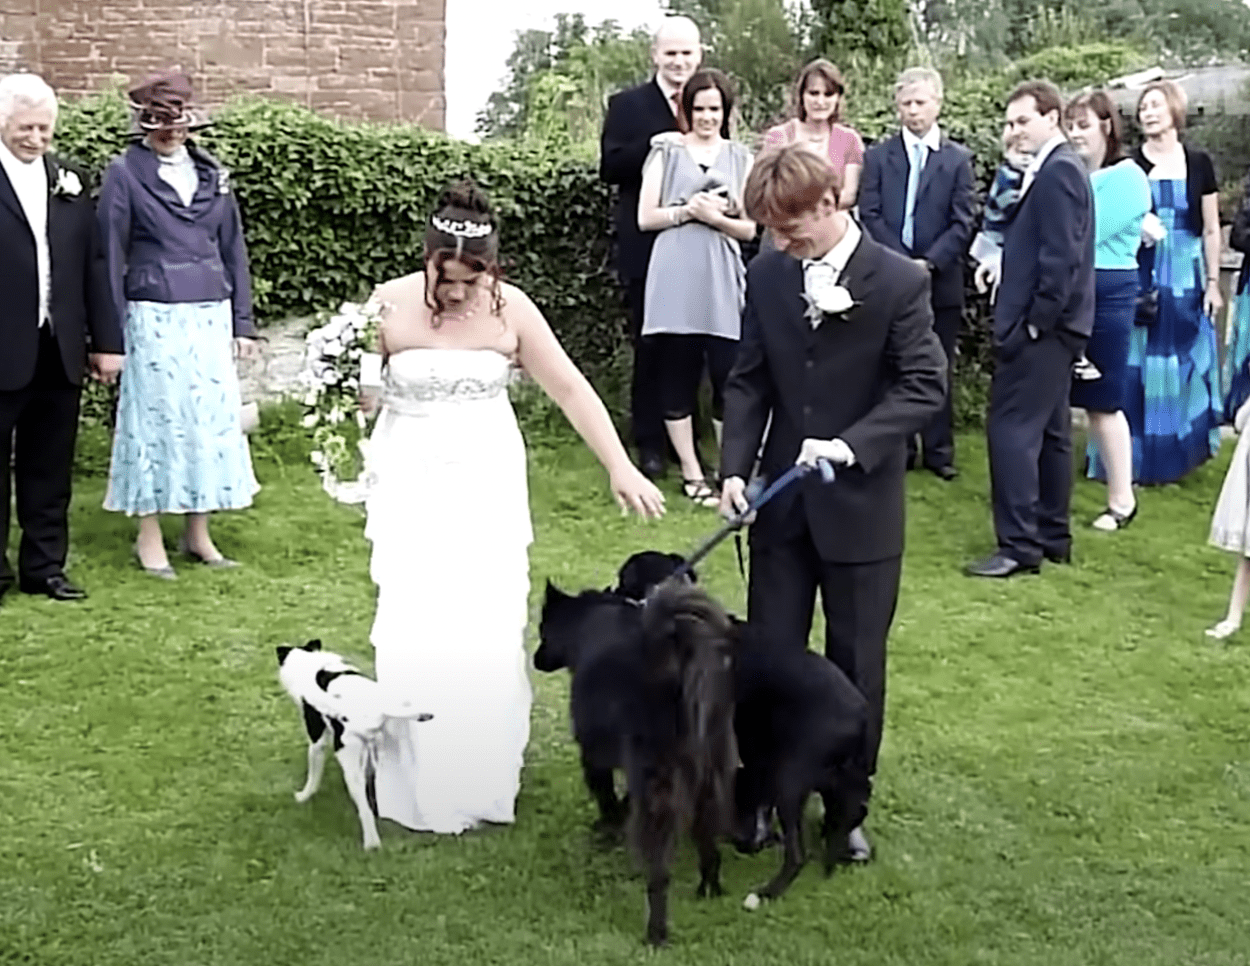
[1042,319]
[917,197]
[634,117]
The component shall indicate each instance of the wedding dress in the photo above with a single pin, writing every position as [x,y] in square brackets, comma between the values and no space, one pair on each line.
[448,517]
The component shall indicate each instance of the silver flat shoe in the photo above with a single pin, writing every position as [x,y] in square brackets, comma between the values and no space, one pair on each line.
[216,563]
[164,573]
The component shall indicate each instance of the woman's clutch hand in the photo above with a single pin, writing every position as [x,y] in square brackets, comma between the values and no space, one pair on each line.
[245,348]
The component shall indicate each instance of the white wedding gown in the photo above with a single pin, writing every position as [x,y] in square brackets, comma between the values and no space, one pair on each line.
[449,521]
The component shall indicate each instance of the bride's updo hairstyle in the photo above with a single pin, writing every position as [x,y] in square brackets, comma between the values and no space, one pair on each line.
[462,229]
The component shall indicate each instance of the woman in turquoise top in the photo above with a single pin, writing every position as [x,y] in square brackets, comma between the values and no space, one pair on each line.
[1121,202]
[1173,403]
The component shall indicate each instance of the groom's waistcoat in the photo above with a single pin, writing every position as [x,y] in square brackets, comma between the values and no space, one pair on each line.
[870,377]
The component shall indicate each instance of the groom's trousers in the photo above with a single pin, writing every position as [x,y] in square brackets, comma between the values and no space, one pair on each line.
[858,600]
[38,428]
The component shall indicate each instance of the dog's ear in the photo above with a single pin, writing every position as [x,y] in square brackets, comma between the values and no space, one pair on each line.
[282,653]
[313,645]
[554,593]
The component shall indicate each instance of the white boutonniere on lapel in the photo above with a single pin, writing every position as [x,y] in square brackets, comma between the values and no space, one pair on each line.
[824,296]
[223,181]
[68,184]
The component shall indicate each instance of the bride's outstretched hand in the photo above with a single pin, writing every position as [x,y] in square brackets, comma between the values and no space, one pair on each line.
[633,491]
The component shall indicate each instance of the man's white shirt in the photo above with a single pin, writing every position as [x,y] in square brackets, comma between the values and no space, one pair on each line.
[30,184]
[1038,160]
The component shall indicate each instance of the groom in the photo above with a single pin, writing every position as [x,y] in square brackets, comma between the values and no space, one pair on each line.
[55,298]
[838,348]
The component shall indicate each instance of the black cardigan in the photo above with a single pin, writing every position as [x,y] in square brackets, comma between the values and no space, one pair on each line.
[1199,181]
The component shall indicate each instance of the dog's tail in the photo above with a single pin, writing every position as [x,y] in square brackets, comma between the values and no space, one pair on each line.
[688,640]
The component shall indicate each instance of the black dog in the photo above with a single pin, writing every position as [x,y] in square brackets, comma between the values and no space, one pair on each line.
[800,724]
[652,694]
[645,571]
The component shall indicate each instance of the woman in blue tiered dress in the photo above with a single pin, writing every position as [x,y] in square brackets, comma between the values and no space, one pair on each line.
[1237,352]
[1173,400]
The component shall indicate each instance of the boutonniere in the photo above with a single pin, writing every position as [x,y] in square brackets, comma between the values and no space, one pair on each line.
[223,181]
[828,300]
[68,184]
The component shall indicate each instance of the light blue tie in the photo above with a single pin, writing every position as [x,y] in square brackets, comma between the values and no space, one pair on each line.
[913,185]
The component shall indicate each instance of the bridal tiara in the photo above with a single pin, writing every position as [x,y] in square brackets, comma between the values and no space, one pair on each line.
[462,229]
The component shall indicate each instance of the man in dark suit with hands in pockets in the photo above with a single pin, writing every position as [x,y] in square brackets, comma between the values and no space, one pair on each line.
[634,118]
[1042,319]
[838,349]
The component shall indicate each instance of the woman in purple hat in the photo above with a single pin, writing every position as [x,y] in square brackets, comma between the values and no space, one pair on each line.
[179,277]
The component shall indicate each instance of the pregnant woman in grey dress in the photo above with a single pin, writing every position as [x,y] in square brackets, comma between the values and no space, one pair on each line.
[696,282]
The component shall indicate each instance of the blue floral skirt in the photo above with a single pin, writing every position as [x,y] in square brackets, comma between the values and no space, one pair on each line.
[178,447]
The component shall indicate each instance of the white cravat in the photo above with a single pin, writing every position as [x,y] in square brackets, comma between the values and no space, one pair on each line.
[822,274]
[30,184]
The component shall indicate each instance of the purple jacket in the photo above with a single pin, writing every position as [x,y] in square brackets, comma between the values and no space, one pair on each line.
[157,250]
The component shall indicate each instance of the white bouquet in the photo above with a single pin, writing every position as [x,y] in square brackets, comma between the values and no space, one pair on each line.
[336,355]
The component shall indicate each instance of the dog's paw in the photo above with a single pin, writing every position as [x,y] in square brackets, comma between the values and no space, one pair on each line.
[751,902]
[372,842]
[709,890]
[303,795]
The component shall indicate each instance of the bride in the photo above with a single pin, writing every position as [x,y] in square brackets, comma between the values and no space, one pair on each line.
[448,517]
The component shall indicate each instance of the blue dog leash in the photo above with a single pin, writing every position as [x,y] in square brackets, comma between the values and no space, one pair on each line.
[757,495]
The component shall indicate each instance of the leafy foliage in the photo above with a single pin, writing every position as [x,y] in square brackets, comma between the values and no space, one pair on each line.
[331,209]
[559,81]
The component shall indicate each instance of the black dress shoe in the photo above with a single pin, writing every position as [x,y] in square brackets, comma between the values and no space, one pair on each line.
[652,465]
[57,587]
[946,473]
[999,565]
[1063,556]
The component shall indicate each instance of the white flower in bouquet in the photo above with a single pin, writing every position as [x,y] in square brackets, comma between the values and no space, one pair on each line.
[334,354]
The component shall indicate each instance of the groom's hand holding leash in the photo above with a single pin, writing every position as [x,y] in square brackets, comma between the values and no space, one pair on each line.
[733,500]
[836,451]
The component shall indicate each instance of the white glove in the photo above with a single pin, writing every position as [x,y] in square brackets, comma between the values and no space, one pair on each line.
[836,451]
[1239,420]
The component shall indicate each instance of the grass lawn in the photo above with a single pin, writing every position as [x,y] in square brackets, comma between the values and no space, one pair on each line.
[1065,777]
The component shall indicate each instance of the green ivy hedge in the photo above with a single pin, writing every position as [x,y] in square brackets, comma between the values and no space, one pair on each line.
[331,209]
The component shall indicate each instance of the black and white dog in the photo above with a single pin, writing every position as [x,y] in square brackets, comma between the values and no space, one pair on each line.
[339,703]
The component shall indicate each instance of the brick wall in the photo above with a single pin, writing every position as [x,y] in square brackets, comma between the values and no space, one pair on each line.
[375,59]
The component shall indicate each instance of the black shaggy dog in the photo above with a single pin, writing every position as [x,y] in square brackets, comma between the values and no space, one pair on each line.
[652,694]
[800,724]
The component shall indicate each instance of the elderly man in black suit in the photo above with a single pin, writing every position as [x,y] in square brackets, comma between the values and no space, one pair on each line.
[917,197]
[838,349]
[634,118]
[1042,319]
[56,299]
